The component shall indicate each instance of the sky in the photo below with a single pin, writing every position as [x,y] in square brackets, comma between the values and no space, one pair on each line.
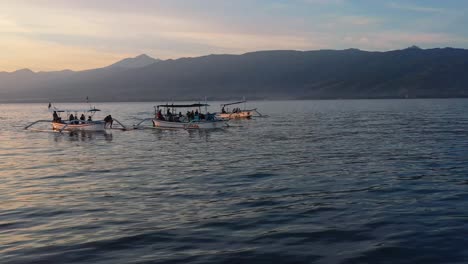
[46,35]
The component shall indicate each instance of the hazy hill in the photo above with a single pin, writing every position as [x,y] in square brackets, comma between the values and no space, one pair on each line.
[351,73]
[137,62]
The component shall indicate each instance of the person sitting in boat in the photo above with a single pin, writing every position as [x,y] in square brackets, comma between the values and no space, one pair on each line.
[55,116]
[223,111]
[89,118]
[82,117]
[160,116]
[71,118]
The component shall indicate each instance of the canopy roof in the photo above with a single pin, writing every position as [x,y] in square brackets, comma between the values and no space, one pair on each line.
[73,110]
[240,102]
[182,105]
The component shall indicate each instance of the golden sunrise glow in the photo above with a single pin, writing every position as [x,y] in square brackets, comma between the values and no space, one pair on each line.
[82,34]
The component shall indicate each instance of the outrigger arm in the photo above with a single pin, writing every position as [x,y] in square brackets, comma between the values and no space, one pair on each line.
[122,125]
[38,121]
[144,120]
[65,126]
[259,114]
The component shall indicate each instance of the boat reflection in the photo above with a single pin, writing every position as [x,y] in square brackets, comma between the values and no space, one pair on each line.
[83,136]
[205,135]
[193,134]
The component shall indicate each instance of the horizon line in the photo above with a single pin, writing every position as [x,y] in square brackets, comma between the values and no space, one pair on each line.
[233,54]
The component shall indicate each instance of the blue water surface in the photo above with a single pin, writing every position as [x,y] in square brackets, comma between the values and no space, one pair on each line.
[345,181]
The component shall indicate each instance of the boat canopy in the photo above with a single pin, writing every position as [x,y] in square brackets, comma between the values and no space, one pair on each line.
[182,105]
[74,110]
[240,102]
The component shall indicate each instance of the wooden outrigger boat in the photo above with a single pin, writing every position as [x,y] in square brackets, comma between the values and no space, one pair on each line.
[170,119]
[236,112]
[77,124]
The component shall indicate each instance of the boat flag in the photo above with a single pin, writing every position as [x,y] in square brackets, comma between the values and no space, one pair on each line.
[87,99]
[50,105]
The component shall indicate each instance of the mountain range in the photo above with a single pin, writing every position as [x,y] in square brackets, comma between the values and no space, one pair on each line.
[281,74]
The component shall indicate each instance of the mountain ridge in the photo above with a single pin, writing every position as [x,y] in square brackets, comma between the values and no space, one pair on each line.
[139,61]
[281,74]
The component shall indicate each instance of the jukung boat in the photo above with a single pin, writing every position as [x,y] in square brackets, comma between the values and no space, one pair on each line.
[230,112]
[170,117]
[74,123]
[79,125]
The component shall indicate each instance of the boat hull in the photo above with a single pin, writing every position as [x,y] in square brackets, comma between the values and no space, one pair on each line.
[240,115]
[189,125]
[92,126]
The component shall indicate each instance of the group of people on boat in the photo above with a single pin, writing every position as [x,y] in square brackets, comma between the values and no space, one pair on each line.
[73,119]
[235,110]
[189,116]
[82,119]
[169,116]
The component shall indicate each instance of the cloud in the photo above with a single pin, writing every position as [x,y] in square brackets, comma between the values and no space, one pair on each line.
[236,42]
[416,8]
[94,32]
[20,52]
[390,40]
[95,36]
[324,2]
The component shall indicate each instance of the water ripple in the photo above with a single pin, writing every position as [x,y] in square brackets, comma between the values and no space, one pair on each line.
[354,181]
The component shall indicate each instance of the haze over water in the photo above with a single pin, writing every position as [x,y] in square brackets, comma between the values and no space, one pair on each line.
[354,181]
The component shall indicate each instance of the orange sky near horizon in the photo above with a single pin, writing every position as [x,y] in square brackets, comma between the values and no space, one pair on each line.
[47,35]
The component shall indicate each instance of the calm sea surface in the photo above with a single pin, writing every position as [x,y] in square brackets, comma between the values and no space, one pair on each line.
[353,181]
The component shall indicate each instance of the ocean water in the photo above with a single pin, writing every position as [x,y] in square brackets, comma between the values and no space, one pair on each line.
[350,181]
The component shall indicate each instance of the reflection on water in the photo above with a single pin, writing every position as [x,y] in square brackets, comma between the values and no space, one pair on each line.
[365,181]
[202,134]
[83,136]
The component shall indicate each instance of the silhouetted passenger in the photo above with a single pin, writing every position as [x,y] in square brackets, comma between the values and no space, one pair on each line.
[109,121]
[71,118]
[55,116]
[89,118]
[82,117]
[160,116]
[209,116]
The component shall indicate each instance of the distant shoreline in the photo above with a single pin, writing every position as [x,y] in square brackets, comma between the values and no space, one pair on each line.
[226,100]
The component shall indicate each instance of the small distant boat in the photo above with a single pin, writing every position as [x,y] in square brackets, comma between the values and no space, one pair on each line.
[230,112]
[166,117]
[75,123]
